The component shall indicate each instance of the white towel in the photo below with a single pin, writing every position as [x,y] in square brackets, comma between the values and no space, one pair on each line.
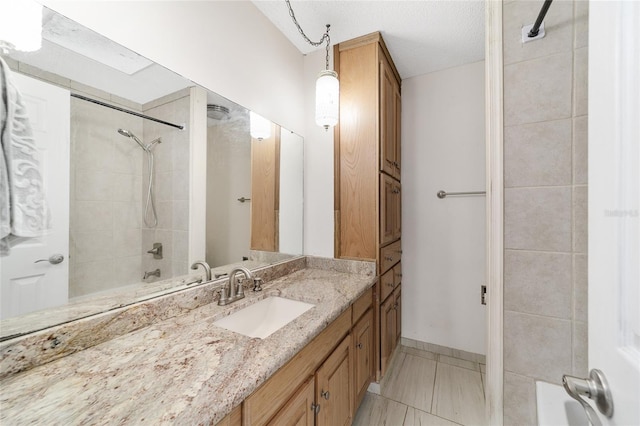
[23,209]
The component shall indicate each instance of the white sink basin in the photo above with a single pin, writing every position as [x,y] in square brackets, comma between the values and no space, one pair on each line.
[265,317]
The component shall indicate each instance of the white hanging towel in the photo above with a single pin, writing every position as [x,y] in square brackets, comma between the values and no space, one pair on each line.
[23,209]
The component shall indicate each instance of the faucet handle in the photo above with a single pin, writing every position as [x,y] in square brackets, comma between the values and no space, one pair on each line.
[223,296]
[240,292]
[257,284]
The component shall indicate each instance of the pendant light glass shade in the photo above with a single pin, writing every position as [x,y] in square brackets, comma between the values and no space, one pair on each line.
[21,25]
[327,99]
[260,127]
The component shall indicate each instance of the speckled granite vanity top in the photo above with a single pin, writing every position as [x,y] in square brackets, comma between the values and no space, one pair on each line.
[182,370]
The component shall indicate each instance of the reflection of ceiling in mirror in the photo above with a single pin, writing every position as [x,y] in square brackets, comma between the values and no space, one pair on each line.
[73,36]
[79,54]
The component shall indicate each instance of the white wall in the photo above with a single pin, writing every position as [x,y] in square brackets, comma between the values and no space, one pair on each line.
[443,240]
[318,168]
[291,209]
[228,47]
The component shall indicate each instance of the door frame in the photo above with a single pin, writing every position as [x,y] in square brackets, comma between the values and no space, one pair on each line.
[494,210]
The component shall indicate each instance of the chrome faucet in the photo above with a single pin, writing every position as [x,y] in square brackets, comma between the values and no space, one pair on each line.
[149,274]
[236,289]
[205,265]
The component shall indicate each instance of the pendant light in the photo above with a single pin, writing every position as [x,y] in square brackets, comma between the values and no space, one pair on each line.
[327,84]
[21,26]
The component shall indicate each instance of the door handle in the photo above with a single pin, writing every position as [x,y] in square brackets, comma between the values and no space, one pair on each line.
[54,259]
[596,388]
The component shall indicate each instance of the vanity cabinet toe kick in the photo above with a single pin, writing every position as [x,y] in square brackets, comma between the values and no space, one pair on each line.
[324,383]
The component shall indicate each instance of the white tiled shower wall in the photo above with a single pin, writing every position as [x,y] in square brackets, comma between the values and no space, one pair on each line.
[172,185]
[545,157]
[105,198]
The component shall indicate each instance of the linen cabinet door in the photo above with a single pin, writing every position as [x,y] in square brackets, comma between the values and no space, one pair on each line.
[363,356]
[300,409]
[387,332]
[334,387]
[387,119]
[388,209]
[396,208]
[398,313]
[398,121]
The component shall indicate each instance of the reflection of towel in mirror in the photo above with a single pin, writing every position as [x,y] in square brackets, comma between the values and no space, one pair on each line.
[23,210]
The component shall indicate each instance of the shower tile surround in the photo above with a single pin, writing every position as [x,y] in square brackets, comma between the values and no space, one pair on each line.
[169,341]
[545,145]
[171,186]
[107,245]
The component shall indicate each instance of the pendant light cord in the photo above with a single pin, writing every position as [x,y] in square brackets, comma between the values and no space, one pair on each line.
[325,36]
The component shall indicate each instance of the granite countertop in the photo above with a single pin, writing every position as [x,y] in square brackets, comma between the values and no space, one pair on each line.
[183,370]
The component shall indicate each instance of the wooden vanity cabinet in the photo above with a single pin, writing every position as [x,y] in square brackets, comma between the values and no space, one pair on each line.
[325,382]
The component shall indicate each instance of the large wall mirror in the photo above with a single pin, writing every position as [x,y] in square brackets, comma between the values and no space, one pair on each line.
[120,187]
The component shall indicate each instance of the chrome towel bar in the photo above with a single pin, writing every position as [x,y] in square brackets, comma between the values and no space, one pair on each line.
[443,194]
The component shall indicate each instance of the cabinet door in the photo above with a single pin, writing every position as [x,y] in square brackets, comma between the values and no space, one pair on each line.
[387,119]
[299,410]
[386,284]
[389,209]
[363,356]
[397,274]
[387,332]
[334,387]
[398,122]
[396,208]
[398,311]
[265,189]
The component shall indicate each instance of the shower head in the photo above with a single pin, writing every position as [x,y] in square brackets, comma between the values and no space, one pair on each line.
[128,134]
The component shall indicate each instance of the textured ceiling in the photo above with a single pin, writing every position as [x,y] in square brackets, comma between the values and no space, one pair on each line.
[422,36]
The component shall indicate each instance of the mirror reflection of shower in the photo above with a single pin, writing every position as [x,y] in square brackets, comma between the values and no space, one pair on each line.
[150,222]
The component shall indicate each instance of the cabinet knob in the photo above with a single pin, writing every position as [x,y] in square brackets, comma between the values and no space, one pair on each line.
[359,346]
[389,284]
[388,258]
[324,394]
[315,407]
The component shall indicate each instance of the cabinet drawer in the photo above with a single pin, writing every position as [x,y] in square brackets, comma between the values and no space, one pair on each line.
[386,284]
[390,255]
[361,305]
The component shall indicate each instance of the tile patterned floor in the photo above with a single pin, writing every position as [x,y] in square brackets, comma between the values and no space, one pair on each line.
[424,388]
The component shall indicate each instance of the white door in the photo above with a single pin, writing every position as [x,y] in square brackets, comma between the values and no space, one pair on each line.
[614,203]
[27,286]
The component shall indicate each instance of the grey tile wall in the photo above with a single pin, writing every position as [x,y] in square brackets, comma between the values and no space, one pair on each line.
[545,163]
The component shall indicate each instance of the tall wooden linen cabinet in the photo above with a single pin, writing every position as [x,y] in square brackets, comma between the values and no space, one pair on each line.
[367,177]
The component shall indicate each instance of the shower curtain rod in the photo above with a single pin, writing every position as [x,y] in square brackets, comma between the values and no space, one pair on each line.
[536,27]
[95,101]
